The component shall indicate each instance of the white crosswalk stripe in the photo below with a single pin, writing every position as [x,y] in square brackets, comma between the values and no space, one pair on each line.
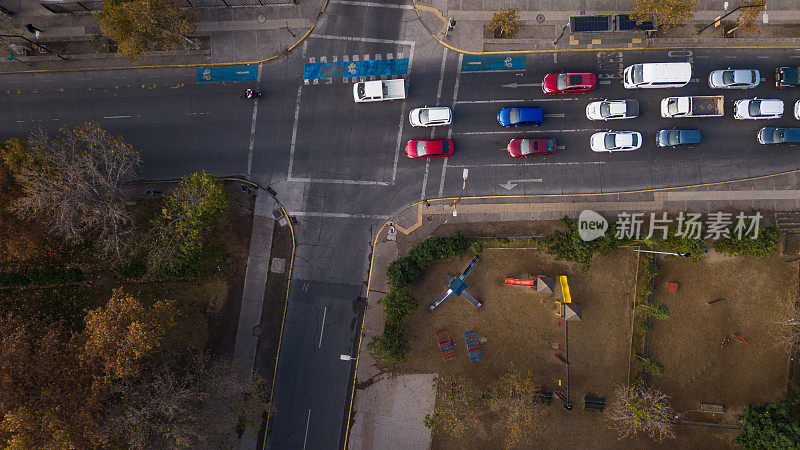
[350,58]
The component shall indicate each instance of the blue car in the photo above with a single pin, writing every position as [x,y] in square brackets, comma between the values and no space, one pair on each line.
[518,116]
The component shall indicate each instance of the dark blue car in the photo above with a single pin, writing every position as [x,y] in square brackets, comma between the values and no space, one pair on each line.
[675,137]
[519,116]
[770,135]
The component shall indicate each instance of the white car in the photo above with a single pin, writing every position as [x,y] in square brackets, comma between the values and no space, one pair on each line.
[612,109]
[797,110]
[758,108]
[616,141]
[430,116]
[734,79]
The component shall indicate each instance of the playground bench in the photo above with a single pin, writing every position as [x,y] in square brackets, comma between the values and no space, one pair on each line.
[712,408]
[445,345]
[591,403]
[544,397]
[473,346]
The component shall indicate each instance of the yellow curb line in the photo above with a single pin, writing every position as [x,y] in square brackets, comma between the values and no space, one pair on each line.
[174,66]
[567,50]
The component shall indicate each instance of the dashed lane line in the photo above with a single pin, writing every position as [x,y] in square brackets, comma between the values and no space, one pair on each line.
[371,4]
[520,100]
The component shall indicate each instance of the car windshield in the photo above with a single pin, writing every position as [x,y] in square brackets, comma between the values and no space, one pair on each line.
[755,108]
[525,147]
[779,135]
[445,146]
[634,140]
[561,81]
[753,78]
[423,116]
[672,106]
[727,77]
[610,142]
[549,145]
[513,115]
[674,137]
[605,109]
[422,148]
[637,74]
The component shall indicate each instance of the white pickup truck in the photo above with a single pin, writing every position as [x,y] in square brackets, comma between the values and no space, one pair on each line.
[702,106]
[379,90]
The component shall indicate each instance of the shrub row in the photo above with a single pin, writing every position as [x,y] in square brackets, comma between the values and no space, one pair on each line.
[41,277]
[404,271]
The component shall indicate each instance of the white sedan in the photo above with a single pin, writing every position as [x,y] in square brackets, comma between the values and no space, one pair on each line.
[616,141]
[430,116]
[612,109]
[758,108]
[734,79]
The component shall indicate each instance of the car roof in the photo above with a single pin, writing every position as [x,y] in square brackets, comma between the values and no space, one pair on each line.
[742,76]
[690,136]
[792,134]
[623,139]
[527,114]
[668,71]
[438,113]
[771,106]
[618,107]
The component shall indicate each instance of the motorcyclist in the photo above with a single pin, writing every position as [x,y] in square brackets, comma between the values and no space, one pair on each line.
[248,93]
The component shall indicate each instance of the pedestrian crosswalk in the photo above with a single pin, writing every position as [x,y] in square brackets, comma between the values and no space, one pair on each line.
[355,68]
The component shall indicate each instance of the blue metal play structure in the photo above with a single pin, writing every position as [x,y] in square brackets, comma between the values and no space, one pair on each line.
[458,287]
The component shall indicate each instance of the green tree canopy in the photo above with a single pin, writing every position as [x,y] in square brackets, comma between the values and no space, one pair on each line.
[768,426]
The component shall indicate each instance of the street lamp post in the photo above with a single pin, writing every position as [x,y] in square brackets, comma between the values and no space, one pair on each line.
[726,15]
[11,57]
[685,255]
[34,43]
[563,30]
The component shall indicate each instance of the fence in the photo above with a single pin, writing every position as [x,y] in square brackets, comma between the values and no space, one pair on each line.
[77,6]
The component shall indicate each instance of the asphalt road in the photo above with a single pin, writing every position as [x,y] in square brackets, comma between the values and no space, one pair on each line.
[340,168]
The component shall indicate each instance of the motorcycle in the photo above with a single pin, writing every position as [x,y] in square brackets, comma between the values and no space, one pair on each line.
[250,93]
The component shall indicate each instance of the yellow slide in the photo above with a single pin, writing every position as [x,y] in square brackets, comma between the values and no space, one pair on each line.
[565,289]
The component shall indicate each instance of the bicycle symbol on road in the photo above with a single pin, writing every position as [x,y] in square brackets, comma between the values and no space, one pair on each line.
[207,74]
[508,62]
[351,68]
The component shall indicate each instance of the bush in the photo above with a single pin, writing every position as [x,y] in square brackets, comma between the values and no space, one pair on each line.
[8,279]
[659,311]
[768,426]
[683,244]
[402,271]
[50,275]
[651,366]
[389,347]
[476,247]
[135,268]
[568,246]
[763,245]
[398,303]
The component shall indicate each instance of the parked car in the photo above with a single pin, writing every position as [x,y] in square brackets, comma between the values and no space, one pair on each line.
[568,83]
[734,79]
[531,146]
[758,108]
[429,148]
[797,110]
[612,109]
[615,141]
[786,77]
[516,116]
[770,135]
[675,137]
[430,116]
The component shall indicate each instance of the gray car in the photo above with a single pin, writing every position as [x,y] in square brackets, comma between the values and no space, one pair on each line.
[734,79]
[675,137]
[772,135]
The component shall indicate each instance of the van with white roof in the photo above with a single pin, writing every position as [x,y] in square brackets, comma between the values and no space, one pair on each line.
[657,75]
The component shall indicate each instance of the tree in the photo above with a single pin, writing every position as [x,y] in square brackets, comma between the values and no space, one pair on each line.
[642,409]
[763,245]
[664,13]
[456,408]
[683,244]
[190,212]
[568,246]
[121,335]
[402,271]
[748,17]
[73,184]
[514,397]
[389,347]
[651,366]
[657,311]
[768,426]
[141,25]
[398,303]
[505,22]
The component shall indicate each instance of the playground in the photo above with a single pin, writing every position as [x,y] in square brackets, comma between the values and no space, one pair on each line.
[705,360]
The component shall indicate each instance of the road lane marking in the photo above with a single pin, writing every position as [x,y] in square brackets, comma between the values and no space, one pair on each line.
[588,163]
[521,100]
[117,117]
[322,329]
[511,184]
[253,126]
[574,130]
[555,115]
[294,131]
[763,57]
[731,57]
[371,4]
[337,215]
[450,129]
[339,181]
[516,85]
[604,82]
[362,39]
[433,129]
[308,420]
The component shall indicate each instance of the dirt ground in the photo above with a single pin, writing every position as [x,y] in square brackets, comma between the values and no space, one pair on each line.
[517,325]
[697,369]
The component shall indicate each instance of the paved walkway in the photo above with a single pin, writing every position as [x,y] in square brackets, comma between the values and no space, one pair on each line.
[545,19]
[772,193]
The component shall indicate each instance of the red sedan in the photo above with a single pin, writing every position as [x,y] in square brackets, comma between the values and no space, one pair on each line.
[568,83]
[429,148]
[531,146]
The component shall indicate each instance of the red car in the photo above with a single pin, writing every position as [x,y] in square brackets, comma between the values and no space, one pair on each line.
[429,148]
[568,83]
[531,146]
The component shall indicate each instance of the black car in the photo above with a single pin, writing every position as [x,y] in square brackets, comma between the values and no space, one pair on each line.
[674,137]
[772,135]
[786,77]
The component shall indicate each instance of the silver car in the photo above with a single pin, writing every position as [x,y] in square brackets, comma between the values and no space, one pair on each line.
[734,79]
[430,116]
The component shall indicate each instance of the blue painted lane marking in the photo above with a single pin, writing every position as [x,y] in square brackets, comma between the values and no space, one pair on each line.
[367,68]
[482,63]
[245,72]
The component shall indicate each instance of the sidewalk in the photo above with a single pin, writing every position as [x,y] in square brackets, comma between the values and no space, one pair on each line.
[224,35]
[543,25]
[418,221]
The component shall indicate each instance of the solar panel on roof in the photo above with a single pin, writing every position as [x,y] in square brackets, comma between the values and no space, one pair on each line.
[625,23]
[591,23]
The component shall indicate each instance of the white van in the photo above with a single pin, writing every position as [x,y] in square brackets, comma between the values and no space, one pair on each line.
[657,75]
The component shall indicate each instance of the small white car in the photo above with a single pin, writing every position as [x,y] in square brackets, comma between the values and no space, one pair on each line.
[797,110]
[615,141]
[430,116]
[612,109]
[758,108]
[734,79]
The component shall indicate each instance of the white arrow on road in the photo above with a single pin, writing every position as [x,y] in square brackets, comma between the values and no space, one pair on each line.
[513,183]
[516,85]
